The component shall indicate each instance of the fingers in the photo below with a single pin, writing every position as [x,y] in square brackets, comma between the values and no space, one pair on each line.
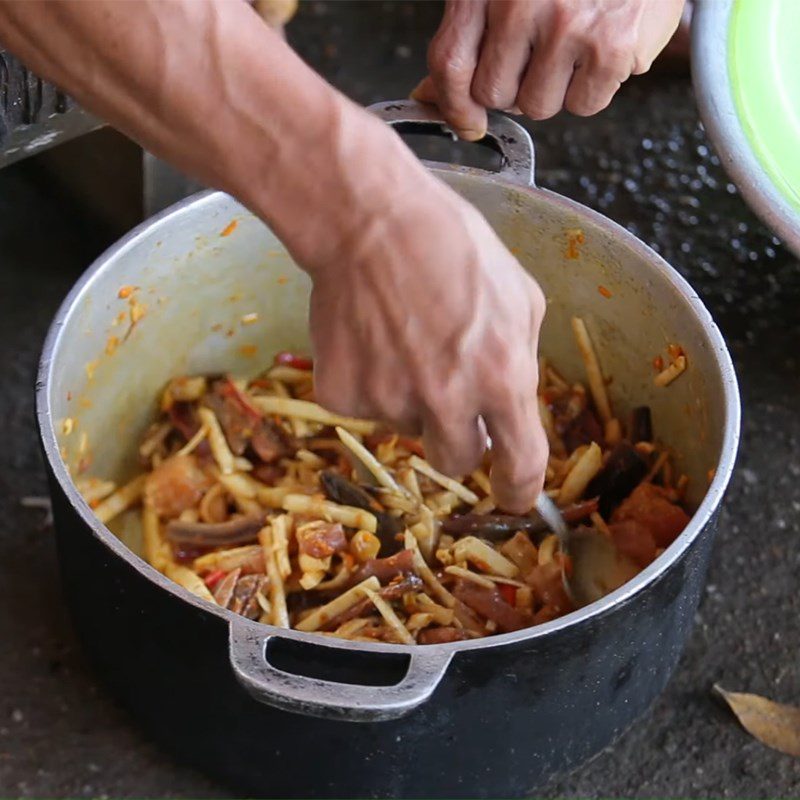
[335,389]
[592,89]
[336,378]
[519,455]
[338,387]
[599,73]
[452,58]
[663,19]
[454,444]
[547,79]
[538,57]
[504,54]
[339,383]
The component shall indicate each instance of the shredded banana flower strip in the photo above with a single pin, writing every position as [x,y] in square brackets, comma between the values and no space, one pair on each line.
[458,489]
[303,409]
[379,472]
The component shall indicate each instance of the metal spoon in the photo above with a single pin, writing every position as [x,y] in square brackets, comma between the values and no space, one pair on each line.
[597,566]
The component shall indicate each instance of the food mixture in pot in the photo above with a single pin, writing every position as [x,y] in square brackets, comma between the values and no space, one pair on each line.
[257,499]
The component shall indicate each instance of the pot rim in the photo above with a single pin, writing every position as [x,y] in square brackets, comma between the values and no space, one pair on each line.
[648,576]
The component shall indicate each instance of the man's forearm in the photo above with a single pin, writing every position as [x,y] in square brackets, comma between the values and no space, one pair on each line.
[209,87]
[419,315]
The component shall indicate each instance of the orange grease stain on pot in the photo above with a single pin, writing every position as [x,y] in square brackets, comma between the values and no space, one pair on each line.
[605,292]
[137,311]
[229,228]
[126,291]
[575,238]
[248,349]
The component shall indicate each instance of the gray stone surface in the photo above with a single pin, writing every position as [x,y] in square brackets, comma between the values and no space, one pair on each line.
[646,163]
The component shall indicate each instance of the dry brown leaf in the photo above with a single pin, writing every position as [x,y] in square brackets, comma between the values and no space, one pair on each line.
[773,724]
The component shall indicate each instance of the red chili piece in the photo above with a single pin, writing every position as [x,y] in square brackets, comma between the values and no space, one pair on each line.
[213,578]
[293,360]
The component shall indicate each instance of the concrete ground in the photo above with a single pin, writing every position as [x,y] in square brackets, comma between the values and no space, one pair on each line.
[647,164]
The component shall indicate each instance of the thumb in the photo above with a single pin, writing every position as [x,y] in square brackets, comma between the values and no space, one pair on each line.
[425,92]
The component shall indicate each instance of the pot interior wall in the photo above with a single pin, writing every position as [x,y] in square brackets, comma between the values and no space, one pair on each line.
[197,276]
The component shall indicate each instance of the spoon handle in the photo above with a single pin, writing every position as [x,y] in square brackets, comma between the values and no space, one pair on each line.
[549,512]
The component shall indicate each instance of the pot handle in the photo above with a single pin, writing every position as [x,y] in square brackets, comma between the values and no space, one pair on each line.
[512,141]
[248,648]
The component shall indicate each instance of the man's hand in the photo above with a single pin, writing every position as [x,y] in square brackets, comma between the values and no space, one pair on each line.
[420,316]
[429,323]
[539,56]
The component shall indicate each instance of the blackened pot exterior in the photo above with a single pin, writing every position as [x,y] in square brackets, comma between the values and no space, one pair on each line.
[503,720]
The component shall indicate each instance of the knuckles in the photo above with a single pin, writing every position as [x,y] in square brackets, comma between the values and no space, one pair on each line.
[616,58]
[387,401]
[518,477]
[453,463]
[534,109]
[489,93]
[641,65]
[583,106]
[538,301]
[447,62]
[454,450]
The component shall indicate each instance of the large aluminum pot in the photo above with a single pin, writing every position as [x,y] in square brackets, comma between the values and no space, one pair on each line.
[283,713]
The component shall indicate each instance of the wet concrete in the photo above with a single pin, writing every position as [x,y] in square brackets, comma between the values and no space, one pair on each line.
[646,163]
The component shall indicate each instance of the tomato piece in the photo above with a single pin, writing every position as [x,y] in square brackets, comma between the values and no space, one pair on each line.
[634,540]
[508,593]
[650,506]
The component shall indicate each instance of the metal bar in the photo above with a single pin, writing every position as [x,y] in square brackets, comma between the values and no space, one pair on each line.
[34,114]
